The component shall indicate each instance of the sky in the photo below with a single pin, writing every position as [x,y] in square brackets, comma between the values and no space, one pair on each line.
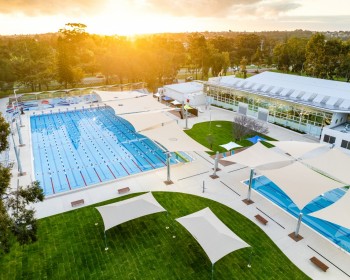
[129,17]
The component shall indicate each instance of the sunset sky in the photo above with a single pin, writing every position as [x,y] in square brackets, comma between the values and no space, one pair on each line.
[128,17]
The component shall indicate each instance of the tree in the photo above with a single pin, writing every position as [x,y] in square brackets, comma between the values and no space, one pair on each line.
[243,67]
[281,54]
[244,125]
[199,54]
[16,216]
[315,56]
[70,46]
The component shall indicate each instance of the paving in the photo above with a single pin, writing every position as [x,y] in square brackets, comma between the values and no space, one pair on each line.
[227,189]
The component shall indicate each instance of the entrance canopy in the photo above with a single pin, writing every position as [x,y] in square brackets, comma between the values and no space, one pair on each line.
[301,183]
[216,239]
[258,155]
[333,163]
[296,148]
[337,213]
[143,121]
[231,145]
[120,212]
[173,138]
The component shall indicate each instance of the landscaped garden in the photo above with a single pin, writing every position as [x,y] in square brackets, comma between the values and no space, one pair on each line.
[71,246]
[215,133]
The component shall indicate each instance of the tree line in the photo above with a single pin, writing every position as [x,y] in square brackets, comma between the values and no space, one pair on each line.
[63,59]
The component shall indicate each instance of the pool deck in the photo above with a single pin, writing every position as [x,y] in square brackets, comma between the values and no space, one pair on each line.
[227,189]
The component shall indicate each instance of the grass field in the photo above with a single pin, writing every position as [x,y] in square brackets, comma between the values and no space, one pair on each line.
[221,133]
[71,246]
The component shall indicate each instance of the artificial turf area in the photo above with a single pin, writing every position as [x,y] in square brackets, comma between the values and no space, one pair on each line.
[71,246]
[220,132]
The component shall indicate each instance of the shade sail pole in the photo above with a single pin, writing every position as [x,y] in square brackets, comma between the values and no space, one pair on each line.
[168,180]
[212,271]
[296,233]
[248,201]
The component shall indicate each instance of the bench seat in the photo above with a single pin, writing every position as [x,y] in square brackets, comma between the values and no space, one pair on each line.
[318,263]
[77,203]
[123,190]
[261,219]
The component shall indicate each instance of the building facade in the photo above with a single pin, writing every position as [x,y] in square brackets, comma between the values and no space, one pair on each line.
[307,105]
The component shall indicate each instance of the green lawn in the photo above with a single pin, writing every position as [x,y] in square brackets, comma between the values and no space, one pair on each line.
[71,246]
[221,133]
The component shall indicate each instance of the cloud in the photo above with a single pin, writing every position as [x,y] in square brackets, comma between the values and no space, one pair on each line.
[50,7]
[217,8]
[266,9]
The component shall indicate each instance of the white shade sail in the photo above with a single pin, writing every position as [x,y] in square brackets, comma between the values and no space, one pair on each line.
[337,213]
[173,138]
[117,95]
[216,239]
[333,163]
[120,212]
[258,155]
[300,183]
[144,121]
[136,105]
[231,145]
[296,148]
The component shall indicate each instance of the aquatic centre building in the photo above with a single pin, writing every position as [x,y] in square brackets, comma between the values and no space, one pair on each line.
[317,107]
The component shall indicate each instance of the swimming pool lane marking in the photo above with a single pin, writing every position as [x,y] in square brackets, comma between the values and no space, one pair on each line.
[53,188]
[111,172]
[137,165]
[124,168]
[149,163]
[68,182]
[97,174]
[160,160]
[83,177]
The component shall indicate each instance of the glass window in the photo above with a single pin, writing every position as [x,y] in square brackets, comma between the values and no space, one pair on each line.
[329,139]
[345,144]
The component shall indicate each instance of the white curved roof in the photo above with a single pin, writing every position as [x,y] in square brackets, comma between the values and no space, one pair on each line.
[323,94]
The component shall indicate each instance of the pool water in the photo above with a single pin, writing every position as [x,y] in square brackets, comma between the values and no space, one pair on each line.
[337,234]
[78,148]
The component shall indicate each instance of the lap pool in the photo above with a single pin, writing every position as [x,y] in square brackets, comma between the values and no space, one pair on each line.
[337,234]
[79,148]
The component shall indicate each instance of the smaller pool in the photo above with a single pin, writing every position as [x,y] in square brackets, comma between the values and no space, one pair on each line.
[337,234]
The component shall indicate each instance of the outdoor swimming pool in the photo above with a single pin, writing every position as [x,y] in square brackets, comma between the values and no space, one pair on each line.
[79,148]
[337,234]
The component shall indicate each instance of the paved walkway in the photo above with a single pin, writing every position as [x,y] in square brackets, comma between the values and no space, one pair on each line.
[227,189]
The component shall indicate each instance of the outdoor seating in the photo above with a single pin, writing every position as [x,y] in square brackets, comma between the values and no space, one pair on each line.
[261,219]
[318,263]
[123,190]
[77,203]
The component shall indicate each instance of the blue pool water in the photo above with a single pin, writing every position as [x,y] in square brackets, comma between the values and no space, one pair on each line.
[79,148]
[337,234]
